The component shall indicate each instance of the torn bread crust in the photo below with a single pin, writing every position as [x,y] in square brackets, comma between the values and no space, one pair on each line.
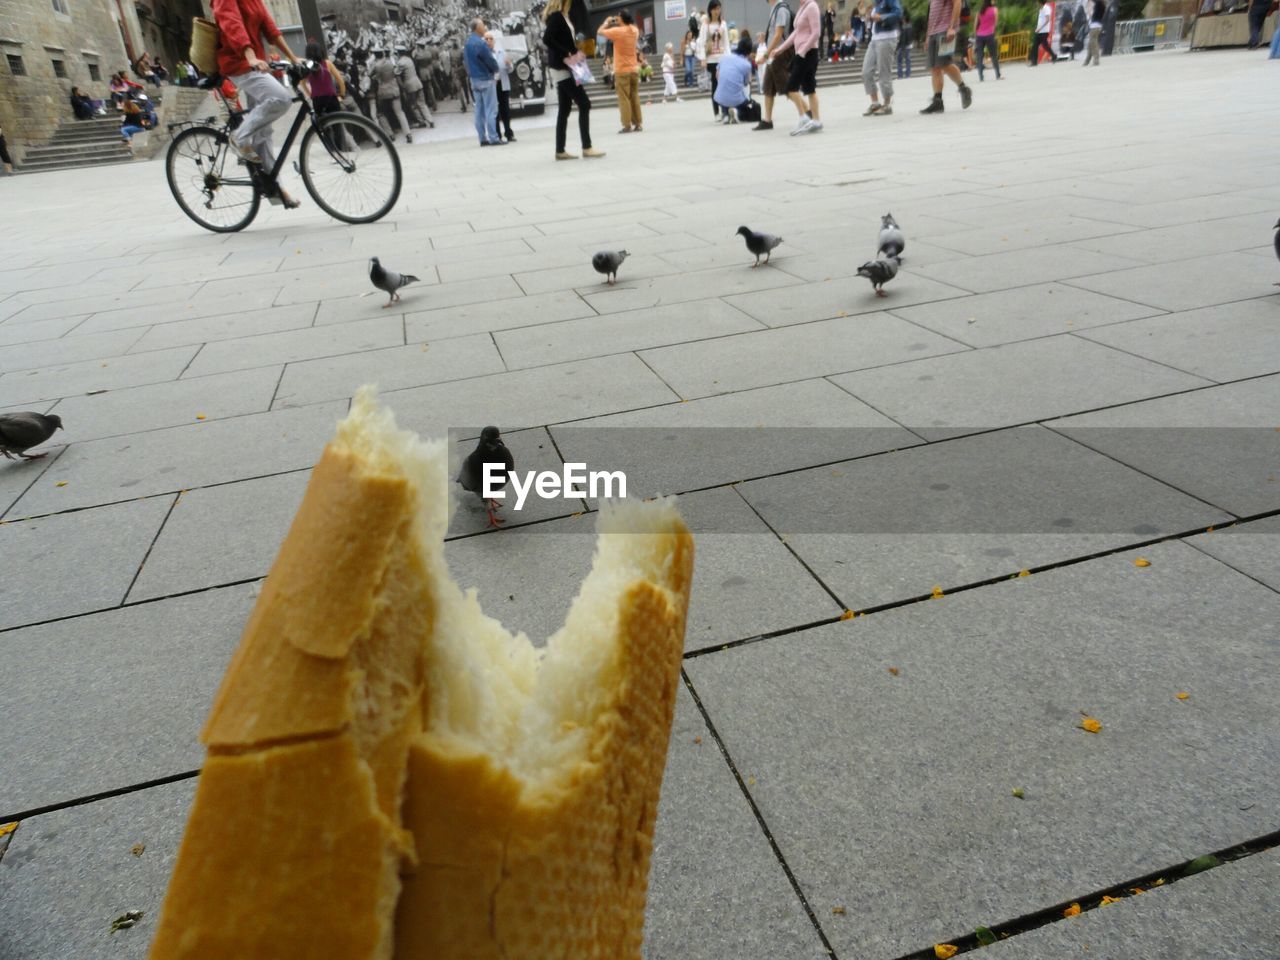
[367,680]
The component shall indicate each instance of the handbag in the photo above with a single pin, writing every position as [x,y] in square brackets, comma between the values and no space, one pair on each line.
[204,45]
[580,69]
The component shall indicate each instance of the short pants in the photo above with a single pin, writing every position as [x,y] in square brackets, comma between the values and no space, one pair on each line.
[777,73]
[932,57]
[804,73]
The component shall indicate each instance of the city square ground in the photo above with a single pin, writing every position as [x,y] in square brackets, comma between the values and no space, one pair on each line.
[1077,368]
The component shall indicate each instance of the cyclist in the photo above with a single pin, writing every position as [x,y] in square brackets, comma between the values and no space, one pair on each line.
[242,26]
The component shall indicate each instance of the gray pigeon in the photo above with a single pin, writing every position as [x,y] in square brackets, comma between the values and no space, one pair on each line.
[761,244]
[891,242]
[21,431]
[880,272]
[608,262]
[388,280]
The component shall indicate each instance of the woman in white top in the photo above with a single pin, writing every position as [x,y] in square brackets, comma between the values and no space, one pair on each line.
[762,55]
[715,34]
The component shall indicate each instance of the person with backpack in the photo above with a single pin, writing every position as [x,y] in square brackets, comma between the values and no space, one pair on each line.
[776,65]
[886,15]
[1092,52]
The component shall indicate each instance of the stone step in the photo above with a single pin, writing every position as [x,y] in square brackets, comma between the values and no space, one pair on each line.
[40,166]
[40,154]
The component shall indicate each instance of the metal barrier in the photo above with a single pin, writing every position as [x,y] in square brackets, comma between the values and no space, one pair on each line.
[1133,36]
[1015,46]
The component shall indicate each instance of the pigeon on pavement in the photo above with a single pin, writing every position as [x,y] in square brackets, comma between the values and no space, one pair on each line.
[20,432]
[388,280]
[608,262]
[891,242]
[761,244]
[490,449]
[880,272]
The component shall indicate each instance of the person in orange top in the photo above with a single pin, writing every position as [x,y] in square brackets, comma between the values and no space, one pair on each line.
[621,30]
[242,27]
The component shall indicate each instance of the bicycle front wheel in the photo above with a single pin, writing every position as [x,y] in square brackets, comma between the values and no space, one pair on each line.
[350,167]
[210,184]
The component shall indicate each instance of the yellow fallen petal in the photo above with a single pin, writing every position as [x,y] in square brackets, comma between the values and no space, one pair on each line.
[1024,573]
[1183,695]
[1072,910]
[838,911]
[199,416]
[1091,725]
[945,951]
[893,671]
[1142,562]
[848,615]
[1107,901]
[937,593]
[8,828]
[61,483]
[1136,890]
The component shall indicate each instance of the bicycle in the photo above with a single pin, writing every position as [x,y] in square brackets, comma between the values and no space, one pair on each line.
[348,164]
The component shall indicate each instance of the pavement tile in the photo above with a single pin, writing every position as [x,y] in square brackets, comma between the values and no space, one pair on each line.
[394,368]
[70,379]
[882,773]
[1025,313]
[219,535]
[531,398]
[766,357]
[1035,231]
[112,699]
[259,315]
[506,314]
[1010,383]
[1021,268]
[1229,342]
[70,872]
[1229,911]
[643,292]
[17,475]
[892,527]
[532,450]
[135,409]
[1252,548]
[724,439]
[66,350]
[11,333]
[228,326]
[292,345]
[838,298]
[620,332]
[65,564]
[179,458]
[1175,242]
[1204,281]
[79,300]
[1220,444]
[338,310]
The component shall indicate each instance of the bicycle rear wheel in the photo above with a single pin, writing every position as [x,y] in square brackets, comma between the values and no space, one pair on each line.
[207,180]
[350,167]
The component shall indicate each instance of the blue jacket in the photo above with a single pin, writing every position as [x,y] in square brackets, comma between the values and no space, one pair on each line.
[481,63]
[890,16]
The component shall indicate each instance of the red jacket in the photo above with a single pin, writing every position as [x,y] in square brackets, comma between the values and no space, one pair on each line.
[242,23]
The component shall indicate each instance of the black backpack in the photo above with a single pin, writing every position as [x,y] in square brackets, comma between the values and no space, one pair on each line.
[694,26]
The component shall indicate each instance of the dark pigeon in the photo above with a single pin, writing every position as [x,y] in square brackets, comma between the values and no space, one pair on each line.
[891,242]
[19,432]
[879,272]
[608,262]
[490,449]
[761,244]
[388,280]
[1277,242]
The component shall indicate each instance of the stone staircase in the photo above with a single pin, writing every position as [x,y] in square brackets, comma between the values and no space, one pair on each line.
[829,74]
[79,143]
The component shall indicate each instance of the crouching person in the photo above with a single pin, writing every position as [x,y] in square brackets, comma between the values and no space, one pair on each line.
[733,89]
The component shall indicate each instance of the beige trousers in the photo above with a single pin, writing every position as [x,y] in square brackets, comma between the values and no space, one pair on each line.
[628,87]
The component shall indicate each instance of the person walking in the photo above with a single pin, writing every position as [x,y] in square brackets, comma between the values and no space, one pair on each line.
[1044,24]
[243,26]
[411,84]
[621,31]
[558,37]
[944,20]
[1257,18]
[776,64]
[669,73]
[988,17]
[886,15]
[716,32]
[906,37]
[503,87]
[482,72]
[1093,52]
[689,48]
[385,74]
[803,75]
[461,79]
[827,41]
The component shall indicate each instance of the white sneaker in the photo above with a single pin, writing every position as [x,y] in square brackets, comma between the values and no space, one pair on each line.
[733,119]
[815,126]
[802,126]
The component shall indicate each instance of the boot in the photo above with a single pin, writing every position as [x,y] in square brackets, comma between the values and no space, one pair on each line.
[935,105]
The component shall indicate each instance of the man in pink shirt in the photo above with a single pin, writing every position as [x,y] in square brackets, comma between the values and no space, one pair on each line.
[944,19]
[804,66]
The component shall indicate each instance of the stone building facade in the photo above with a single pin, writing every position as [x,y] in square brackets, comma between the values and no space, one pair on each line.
[49,46]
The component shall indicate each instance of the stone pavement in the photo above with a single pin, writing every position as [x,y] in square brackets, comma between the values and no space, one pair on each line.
[1078,367]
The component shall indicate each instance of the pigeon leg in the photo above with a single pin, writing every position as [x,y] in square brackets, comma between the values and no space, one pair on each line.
[880,292]
[757,263]
[494,519]
[30,456]
[7,454]
[767,256]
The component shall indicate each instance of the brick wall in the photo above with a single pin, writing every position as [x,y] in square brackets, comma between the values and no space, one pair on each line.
[32,105]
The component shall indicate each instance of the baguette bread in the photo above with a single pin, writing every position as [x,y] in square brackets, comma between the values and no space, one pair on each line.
[391,773]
